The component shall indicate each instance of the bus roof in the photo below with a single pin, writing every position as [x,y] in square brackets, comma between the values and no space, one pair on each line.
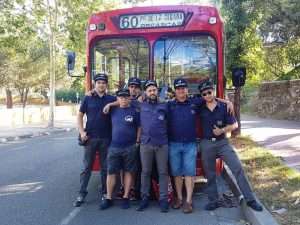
[196,18]
[209,10]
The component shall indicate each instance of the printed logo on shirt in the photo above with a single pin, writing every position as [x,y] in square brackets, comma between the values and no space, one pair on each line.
[161,117]
[129,118]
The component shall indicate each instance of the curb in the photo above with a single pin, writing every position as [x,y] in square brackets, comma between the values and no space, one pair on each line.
[35,134]
[255,218]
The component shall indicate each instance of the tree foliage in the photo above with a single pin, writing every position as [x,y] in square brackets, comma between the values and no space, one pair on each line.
[264,36]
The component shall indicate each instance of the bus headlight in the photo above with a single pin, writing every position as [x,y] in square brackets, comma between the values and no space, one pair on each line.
[93,27]
[212,20]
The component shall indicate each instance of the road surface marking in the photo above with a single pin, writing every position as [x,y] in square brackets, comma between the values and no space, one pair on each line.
[17,148]
[71,216]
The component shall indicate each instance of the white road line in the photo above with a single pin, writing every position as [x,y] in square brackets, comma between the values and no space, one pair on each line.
[71,216]
[17,148]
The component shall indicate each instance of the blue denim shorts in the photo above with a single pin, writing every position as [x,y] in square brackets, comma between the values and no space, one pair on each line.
[182,158]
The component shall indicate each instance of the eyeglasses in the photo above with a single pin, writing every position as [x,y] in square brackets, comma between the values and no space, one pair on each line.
[206,93]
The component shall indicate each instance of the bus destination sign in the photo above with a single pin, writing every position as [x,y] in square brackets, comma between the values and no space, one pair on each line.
[151,20]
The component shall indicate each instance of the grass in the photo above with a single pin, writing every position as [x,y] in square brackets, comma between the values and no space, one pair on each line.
[276,185]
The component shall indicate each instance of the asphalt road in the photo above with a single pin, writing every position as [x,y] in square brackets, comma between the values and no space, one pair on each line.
[281,137]
[39,180]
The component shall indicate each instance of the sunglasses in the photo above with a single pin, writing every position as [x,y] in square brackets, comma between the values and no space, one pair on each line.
[207,93]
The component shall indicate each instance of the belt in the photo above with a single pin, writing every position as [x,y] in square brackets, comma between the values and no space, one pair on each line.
[214,139]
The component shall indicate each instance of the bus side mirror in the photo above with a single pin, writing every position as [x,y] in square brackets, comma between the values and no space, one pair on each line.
[70,61]
[238,76]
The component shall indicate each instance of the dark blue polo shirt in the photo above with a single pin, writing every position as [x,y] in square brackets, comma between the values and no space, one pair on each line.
[98,124]
[154,123]
[135,103]
[182,119]
[219,117]
[125,122]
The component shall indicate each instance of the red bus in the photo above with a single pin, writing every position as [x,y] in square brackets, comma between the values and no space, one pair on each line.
[157,42]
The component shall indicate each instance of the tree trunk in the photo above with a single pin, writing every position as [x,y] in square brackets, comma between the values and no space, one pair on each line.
[52,19]
[25,95]
[237,98]
[21,93]
[9,100]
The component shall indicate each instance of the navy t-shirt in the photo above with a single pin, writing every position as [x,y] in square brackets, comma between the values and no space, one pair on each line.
[98,124]
[182,119]
[125,122]
[218,117]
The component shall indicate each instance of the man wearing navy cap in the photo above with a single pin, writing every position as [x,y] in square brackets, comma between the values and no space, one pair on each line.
[97,133]
[134,86]
[182,142]
[216,122]
[154,145]
[122,150]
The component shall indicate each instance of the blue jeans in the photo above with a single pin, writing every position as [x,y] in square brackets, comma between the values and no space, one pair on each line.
[182,158]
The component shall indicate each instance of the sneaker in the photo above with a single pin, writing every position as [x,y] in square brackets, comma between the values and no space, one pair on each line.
[255,205]
[212,206]
[187,208]
[164,206]
[125,203]
[79,200]
[105,204]
[103,196]
[143,204]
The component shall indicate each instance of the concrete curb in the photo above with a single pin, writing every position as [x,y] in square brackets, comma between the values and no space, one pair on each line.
[35,134]
[255,218]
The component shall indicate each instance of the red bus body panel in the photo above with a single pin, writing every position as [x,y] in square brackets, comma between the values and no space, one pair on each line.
[198,23]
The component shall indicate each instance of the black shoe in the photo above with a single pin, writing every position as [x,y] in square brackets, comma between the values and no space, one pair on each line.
[164,206]
[78,202]
[212,206]
[143,204]
[255,205]
[125,203]
[105,204]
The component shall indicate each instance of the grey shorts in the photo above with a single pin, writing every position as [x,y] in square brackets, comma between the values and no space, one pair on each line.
[122,159]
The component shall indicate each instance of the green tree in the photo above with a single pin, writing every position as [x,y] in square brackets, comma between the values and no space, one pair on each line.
[244,44]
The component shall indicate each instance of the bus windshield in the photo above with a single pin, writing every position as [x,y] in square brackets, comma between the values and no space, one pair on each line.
[190,57]
[120,59]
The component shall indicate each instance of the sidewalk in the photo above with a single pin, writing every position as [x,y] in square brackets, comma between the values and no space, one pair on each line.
[34,130]
[281,137]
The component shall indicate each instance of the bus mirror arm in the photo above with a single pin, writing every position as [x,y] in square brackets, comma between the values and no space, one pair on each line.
[71,64]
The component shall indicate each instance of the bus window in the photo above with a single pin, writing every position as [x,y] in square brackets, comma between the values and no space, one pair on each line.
[190,57]
[120,59]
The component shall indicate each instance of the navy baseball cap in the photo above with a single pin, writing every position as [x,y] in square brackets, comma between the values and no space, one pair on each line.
[123,92]
[150,83]
[206,84]
[180,82]
[101,76]
[134,81]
